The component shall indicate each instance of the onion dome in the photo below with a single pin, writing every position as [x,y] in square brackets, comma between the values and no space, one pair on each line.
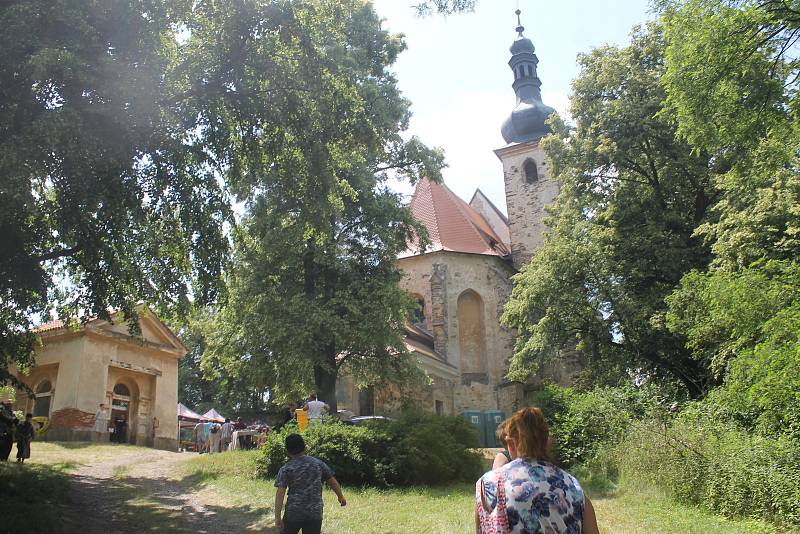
[527,120]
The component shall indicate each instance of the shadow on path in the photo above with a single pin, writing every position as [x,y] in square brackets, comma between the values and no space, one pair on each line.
[107,500]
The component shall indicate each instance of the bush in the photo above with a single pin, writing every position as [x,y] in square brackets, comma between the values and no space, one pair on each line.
[416,449]
[713,463]
[582,423]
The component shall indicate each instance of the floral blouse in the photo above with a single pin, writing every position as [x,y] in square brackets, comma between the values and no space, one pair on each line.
[540,497]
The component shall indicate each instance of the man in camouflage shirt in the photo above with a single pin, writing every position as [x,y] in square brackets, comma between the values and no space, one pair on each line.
[303,476]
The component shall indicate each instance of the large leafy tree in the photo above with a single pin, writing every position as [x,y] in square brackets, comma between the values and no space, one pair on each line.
[103,195]
[622,227]
[301,105]
[732,81]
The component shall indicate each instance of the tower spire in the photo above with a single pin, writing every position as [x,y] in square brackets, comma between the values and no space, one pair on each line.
[527,121]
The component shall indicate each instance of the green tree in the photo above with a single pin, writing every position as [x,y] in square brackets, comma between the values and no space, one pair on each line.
[744,325]
[104,198]
[302,106]
[732,81]
[445,7]
[621,228]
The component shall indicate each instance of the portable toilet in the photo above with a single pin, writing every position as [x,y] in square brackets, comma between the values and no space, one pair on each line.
[492,420]
[476,418]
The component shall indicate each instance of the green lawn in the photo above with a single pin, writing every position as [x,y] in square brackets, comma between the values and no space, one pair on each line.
[34,493]
[629,509]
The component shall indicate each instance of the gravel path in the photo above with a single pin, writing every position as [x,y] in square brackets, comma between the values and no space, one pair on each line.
[138,492]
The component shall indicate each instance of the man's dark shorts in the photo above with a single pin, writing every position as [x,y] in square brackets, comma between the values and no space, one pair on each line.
[308,526]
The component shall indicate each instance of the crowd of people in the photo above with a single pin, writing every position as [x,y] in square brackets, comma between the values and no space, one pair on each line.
[11,429]
[213,437]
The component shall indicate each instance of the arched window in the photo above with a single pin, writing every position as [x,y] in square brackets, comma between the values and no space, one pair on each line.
[472,336]
[122,390]
[44,392]
[531,171]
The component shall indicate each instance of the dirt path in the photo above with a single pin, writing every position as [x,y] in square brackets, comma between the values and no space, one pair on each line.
[139,491]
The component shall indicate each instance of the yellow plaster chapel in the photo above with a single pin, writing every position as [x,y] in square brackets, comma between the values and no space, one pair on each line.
[135,376]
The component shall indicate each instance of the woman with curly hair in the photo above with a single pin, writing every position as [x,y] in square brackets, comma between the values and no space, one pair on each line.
[530,494]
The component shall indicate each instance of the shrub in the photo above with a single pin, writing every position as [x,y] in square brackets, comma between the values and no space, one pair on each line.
[713,463]
[435,450]
[416,449]
[581,423]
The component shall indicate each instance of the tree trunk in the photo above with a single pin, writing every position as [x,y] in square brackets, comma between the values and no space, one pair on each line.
[325,376]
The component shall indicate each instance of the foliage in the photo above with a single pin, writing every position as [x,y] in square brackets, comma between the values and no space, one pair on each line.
[621,228]
[314,287]
[104,199]
[444,7]
[582,424]
[745,326]
[732,81]
[243,393]
[705,461]
[416,449]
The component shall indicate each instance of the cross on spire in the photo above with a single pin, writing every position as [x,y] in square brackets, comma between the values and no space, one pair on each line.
[520,28]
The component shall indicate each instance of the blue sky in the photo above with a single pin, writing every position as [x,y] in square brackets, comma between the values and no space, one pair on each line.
[456,75]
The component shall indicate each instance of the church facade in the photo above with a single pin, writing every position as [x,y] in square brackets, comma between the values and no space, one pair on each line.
[462,279]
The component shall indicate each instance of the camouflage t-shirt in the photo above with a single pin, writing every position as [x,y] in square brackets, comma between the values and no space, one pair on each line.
[304,477]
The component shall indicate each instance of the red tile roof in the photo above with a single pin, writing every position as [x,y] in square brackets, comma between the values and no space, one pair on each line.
[453,224]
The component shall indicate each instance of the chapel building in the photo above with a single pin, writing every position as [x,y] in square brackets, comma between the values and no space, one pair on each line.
[462,279]
[134,375]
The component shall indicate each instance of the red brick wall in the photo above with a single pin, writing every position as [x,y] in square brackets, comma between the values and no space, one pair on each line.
[71,418]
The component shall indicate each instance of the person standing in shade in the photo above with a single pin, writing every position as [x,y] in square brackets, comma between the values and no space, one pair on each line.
[316,409]
[214,438]
[24,438]
[101,423]
[198,437]
[7,423]
[302,476]
[227,431]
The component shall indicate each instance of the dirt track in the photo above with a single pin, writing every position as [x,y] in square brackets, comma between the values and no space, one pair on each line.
[139,491]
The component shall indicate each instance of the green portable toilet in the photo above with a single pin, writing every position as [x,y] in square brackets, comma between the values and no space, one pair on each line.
[476,418]
[492,419]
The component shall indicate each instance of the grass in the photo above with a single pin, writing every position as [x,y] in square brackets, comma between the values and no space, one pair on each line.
[31,493]
[34,491]
[629,509]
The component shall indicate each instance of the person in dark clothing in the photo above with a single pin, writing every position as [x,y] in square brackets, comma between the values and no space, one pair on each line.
[303,476]
[24,438]
[7,423]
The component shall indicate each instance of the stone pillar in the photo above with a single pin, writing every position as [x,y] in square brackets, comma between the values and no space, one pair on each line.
[439,308]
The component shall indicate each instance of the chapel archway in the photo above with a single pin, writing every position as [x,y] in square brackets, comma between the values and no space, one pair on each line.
[44,393]
[124,397]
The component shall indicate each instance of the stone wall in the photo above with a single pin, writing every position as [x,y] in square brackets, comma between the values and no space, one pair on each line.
[525,201]
[441,278]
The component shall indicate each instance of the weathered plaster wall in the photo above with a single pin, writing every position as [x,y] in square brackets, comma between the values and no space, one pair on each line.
[483,206]
[84,368]
[525,201]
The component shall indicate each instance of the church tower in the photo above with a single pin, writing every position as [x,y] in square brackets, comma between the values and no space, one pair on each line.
[529,187]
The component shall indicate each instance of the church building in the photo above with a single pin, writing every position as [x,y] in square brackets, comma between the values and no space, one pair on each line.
[462,279]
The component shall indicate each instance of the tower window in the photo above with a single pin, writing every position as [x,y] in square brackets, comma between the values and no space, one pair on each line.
[531,171]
